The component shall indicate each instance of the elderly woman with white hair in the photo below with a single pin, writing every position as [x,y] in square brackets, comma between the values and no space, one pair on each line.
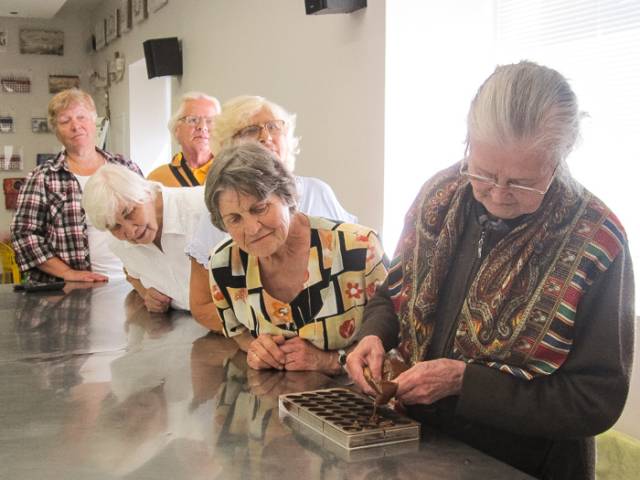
[150,224]
[190,126]
[511,292]
[243,119]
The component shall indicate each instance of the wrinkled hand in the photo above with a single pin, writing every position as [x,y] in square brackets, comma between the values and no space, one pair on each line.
[156,301]
[369,352]
[302,355]
[265,352]
[83,276]
[428,382]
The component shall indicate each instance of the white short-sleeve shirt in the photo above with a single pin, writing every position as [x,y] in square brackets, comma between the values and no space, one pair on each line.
[167,270]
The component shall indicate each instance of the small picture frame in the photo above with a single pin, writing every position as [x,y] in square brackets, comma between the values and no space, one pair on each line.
[13,84]
[99,35]
[44,157]
[7,125]
[124,17]
[139,10]
[58,83]
[111,27]
[41,42]
[13,162]
[39,125]
[4,39]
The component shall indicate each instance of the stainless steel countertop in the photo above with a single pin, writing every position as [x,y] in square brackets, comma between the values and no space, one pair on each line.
[94,387]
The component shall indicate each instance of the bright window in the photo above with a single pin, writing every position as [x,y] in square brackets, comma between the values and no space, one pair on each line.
[455,45]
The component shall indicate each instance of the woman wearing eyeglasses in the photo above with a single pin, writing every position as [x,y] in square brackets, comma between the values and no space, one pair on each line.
[511,292]
[249,118]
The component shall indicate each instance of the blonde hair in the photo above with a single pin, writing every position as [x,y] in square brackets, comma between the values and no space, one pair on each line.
[235,116]
[66,98]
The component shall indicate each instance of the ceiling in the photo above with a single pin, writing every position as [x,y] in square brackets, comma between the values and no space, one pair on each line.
[41,8]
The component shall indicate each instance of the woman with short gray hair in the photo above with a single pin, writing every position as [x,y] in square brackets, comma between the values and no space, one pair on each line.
[511,292]
[150,225]
[289,288]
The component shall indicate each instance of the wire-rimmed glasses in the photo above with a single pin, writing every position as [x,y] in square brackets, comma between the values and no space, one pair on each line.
[514,187]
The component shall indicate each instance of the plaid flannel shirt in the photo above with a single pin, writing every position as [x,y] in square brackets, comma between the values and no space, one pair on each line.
[50,221]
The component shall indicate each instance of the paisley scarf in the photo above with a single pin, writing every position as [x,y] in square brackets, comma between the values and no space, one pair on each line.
[519,311]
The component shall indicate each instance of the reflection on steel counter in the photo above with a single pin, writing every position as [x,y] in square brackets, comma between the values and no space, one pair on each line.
[93,386]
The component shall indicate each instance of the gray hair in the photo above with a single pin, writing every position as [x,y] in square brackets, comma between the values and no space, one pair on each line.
[251,169]
[235,116]
[179,113]
[526,103]
[112,187]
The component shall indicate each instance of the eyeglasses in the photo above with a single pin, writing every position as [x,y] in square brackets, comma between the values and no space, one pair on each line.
[194,120]
[273,128]
[514,187]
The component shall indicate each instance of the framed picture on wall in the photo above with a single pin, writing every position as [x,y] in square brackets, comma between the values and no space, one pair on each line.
[58,83]
[12,84]
[12,162]
[42,42]
[99,35]
[138,10]
[39,125]
[124,16]
[44,157]
[111,28]
[6,124]
[3,39]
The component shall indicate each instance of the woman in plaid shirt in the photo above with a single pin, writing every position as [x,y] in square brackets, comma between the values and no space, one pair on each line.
[49,231]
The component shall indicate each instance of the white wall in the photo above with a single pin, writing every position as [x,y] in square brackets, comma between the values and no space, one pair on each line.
[23,106]
[327,69]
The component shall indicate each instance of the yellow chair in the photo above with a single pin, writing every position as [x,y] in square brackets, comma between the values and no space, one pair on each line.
[10,270]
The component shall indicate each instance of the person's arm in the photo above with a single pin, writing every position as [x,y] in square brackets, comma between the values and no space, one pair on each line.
[29,235]
[57,268]
[586,395]
[203,309]
[154,300]
[380,318]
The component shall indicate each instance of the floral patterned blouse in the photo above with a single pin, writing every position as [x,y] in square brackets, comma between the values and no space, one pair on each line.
[346,264]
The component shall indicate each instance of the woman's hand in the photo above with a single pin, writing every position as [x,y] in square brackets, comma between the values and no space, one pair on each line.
[83,276]
[302,355]
[265,352]
[368,353]
[428,382]
[155,301]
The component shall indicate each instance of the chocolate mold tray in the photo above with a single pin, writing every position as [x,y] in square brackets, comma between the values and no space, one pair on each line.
[345,418]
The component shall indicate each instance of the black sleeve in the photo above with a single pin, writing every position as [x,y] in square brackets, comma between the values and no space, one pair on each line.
[380,318]
[586,395]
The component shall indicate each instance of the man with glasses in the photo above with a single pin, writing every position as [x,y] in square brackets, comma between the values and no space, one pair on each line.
[190,126]
[511,292]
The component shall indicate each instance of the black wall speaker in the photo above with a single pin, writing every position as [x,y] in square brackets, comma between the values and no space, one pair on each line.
[163,56]
[321,7]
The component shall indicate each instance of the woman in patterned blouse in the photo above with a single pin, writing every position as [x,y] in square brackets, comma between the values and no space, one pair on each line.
[289,288]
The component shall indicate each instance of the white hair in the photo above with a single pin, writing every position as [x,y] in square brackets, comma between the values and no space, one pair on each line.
[110,189]
[529,104]
[235,116]
[179,113]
